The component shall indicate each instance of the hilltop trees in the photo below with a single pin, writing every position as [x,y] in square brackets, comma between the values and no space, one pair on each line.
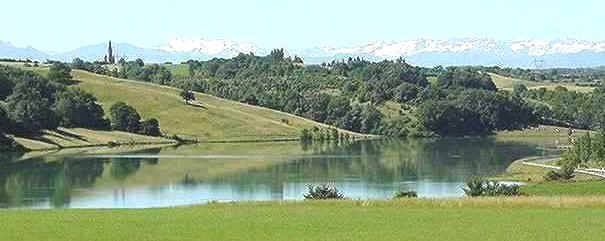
[60,72]
[454,77]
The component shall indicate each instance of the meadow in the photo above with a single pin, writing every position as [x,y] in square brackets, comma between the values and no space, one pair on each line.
[507,83]
[456,219]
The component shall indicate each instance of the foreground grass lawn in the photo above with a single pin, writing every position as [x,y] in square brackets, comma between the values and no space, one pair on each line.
[461,219]
[581,188]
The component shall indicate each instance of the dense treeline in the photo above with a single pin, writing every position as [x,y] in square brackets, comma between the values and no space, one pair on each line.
[31,103]
[564,107]
[555,74]
[351,93]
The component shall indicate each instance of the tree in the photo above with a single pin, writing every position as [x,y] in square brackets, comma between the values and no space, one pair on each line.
[6,86]
[78,63]
[30,105]
[187,96]
[405,92]
[4,121]
[77,108]
[60,72]
[125,118]
[457,77]
[151,127]
[519,89]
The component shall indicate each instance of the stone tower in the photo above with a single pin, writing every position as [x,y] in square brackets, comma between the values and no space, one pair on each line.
[109,58]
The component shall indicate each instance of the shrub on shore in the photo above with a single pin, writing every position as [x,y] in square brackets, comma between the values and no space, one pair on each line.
[478,186]
[405,194]
[323,192]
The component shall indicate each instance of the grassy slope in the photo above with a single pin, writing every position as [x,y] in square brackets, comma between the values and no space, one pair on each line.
[218,120]
[507,83]
[462,219]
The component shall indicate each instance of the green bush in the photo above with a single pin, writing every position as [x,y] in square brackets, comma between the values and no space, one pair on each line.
[478,186]
[565,173]
[323,192]
[405,194]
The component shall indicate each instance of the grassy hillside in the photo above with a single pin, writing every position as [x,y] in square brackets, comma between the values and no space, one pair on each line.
[459,219]
[507,83]
[217,120]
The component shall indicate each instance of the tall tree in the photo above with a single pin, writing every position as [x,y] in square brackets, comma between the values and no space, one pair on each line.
[125,118]
[60,72]
[30,105]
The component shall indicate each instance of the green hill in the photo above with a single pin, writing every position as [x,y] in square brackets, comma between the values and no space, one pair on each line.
[216,119]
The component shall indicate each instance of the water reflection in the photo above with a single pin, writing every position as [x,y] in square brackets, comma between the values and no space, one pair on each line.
[269,171]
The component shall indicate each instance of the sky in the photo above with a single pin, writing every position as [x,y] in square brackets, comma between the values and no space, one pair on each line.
[62,25]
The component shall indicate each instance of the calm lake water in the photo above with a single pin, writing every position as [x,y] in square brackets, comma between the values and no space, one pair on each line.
[172,176]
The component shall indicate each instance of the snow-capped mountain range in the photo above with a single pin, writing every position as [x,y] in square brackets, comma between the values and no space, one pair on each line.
[424,52]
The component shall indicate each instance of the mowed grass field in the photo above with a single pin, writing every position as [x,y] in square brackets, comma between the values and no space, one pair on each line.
[217,120]
[514,219]
[507,83]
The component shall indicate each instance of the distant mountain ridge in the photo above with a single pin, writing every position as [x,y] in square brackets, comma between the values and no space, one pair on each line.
[424,52]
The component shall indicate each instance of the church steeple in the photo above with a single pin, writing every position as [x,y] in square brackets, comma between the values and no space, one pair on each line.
[109,58]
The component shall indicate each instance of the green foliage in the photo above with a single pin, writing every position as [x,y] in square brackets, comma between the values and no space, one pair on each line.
[60,73]
[478,186]
[322,192]
[6,86]
[30,105]
[77,108]
[187,95]
[95,67]
[406,92]
[125,118]
[475,112]
[519,89]
[137,70]
[454,77]
[565,173]
[151,127]
[5,121]
[405,194]
[552,74]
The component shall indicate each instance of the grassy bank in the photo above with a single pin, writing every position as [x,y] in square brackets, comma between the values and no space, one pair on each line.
[580,185]
[63,138]
[463,219]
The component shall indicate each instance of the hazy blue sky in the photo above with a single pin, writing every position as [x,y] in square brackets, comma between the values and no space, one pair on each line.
[63,25]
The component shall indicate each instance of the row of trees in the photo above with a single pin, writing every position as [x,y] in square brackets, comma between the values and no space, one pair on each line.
[552,74]
[569,108]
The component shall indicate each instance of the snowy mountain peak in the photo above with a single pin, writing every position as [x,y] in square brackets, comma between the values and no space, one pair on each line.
[216,47]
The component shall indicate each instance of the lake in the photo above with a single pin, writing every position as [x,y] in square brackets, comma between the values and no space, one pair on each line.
[193,174]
